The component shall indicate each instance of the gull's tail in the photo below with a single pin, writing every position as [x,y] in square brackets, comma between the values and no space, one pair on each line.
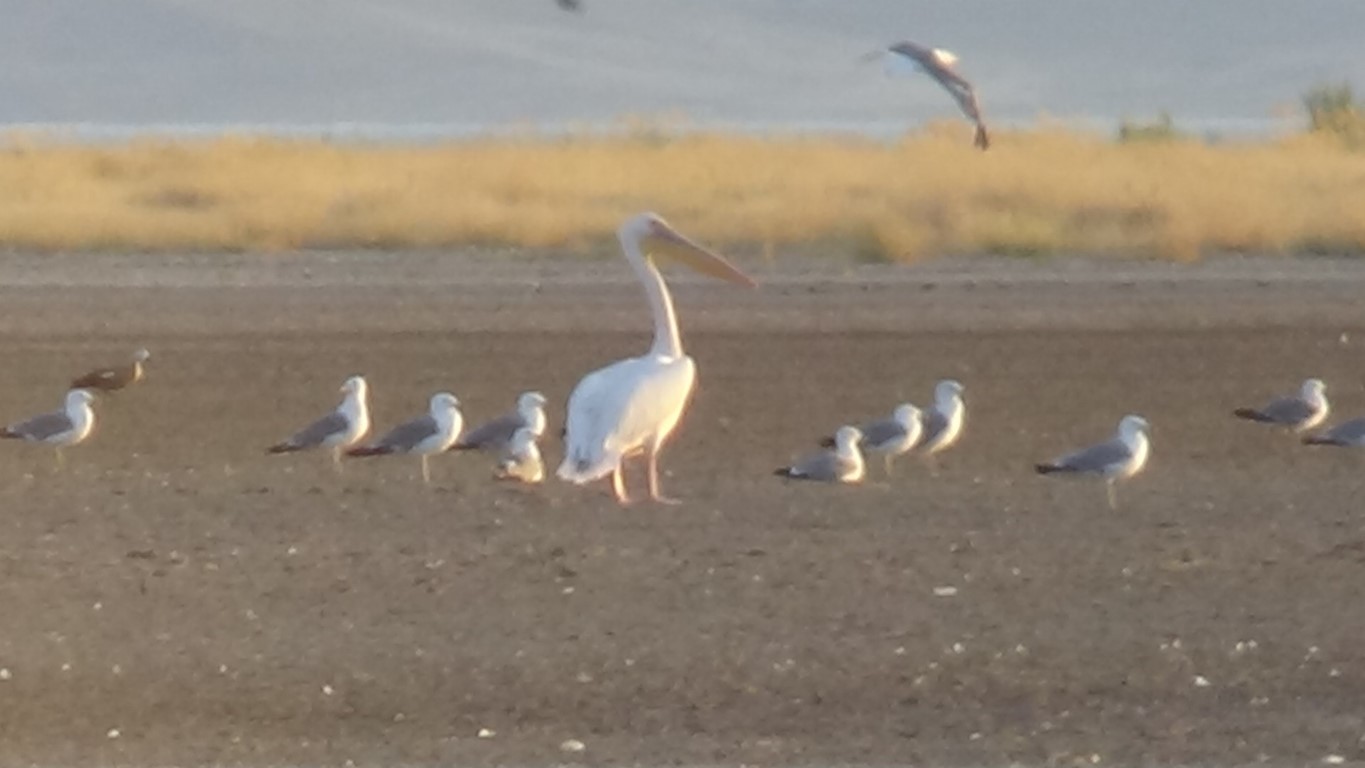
[1250,414]
[1047,469]
[369,450]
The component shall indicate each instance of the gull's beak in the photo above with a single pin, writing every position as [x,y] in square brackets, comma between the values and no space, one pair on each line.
[666,241]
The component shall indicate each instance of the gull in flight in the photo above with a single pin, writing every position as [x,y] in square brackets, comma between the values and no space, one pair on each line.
[1348,434]
[942,66]
[521,459]
[892,436]
[841,464]
[1299,413]
[430,433]
[631,407]
[1117,459]
[68,426]
[115,377]
[338,430]
[496,435]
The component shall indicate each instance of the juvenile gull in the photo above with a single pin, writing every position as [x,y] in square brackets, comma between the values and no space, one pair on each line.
[1117,459]
[496,435]
[940,65]
[1348,434]
[1299,412]
[521,459]
[338,430]
[842,464]
[891,436]
[943,420]
[69,426]
[430,433]
[114,377]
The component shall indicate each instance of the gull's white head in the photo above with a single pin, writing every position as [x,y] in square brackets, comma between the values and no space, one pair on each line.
[649,235]
[906,413]
[443,403]
[847,437]
[1133,425]
[356,386]
[78,398]
[1313,389]
[947,391]
[529,401]
[141,355]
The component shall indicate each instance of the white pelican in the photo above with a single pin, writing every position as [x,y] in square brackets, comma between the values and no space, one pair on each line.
[940,65]
[521,459]
[1114,460]
[943,420]
[841,464]
[115,377]
[338,430]
[1348,434]
[430,433]
[1299,412]
[69,426]
[497,434]
[631,407]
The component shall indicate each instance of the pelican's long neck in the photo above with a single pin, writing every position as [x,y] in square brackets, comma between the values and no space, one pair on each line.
[667,340]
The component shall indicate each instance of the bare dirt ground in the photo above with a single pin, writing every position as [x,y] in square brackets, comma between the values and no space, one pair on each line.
[177,597]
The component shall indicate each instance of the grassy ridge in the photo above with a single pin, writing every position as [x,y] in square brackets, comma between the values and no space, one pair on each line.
[1035,192]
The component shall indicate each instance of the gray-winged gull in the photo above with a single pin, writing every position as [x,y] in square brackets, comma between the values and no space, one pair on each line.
[1113,460]
[1299,412]
[342,428]
[496,435]
[841,464]
[68,426]
[521,458]
[430,433]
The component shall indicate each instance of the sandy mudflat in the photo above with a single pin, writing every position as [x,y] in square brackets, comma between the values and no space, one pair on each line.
[213,604]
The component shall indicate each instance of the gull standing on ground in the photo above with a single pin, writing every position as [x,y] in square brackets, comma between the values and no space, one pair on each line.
[430,433]
[1348,434]
[521,459]
[497,434]
[841,464]
[1299,412]
[940,65]
[631,407]
[338,430]
[115,377]
[943,420]
[891,436]
[69,426]
[1114,460]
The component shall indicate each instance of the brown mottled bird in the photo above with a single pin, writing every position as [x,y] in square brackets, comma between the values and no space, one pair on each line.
[115,377]
[940,65]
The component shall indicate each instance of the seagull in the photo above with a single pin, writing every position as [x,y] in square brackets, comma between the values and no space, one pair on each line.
[1114,460]
[1299,412]
[940,65]
[115,377]
[338,430]
[432,432]
[1348,434]
[497,434]
[943,420]
[891,436]
[843,464]
[521,459]
[69,426]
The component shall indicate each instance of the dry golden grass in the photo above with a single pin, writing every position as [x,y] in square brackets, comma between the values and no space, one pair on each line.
[1037,192]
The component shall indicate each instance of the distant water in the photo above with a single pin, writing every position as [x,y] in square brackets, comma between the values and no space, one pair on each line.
[424,70]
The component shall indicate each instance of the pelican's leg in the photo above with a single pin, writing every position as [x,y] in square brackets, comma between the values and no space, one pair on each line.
[1113,496]
[618,484]
[652,457]
[426,471]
